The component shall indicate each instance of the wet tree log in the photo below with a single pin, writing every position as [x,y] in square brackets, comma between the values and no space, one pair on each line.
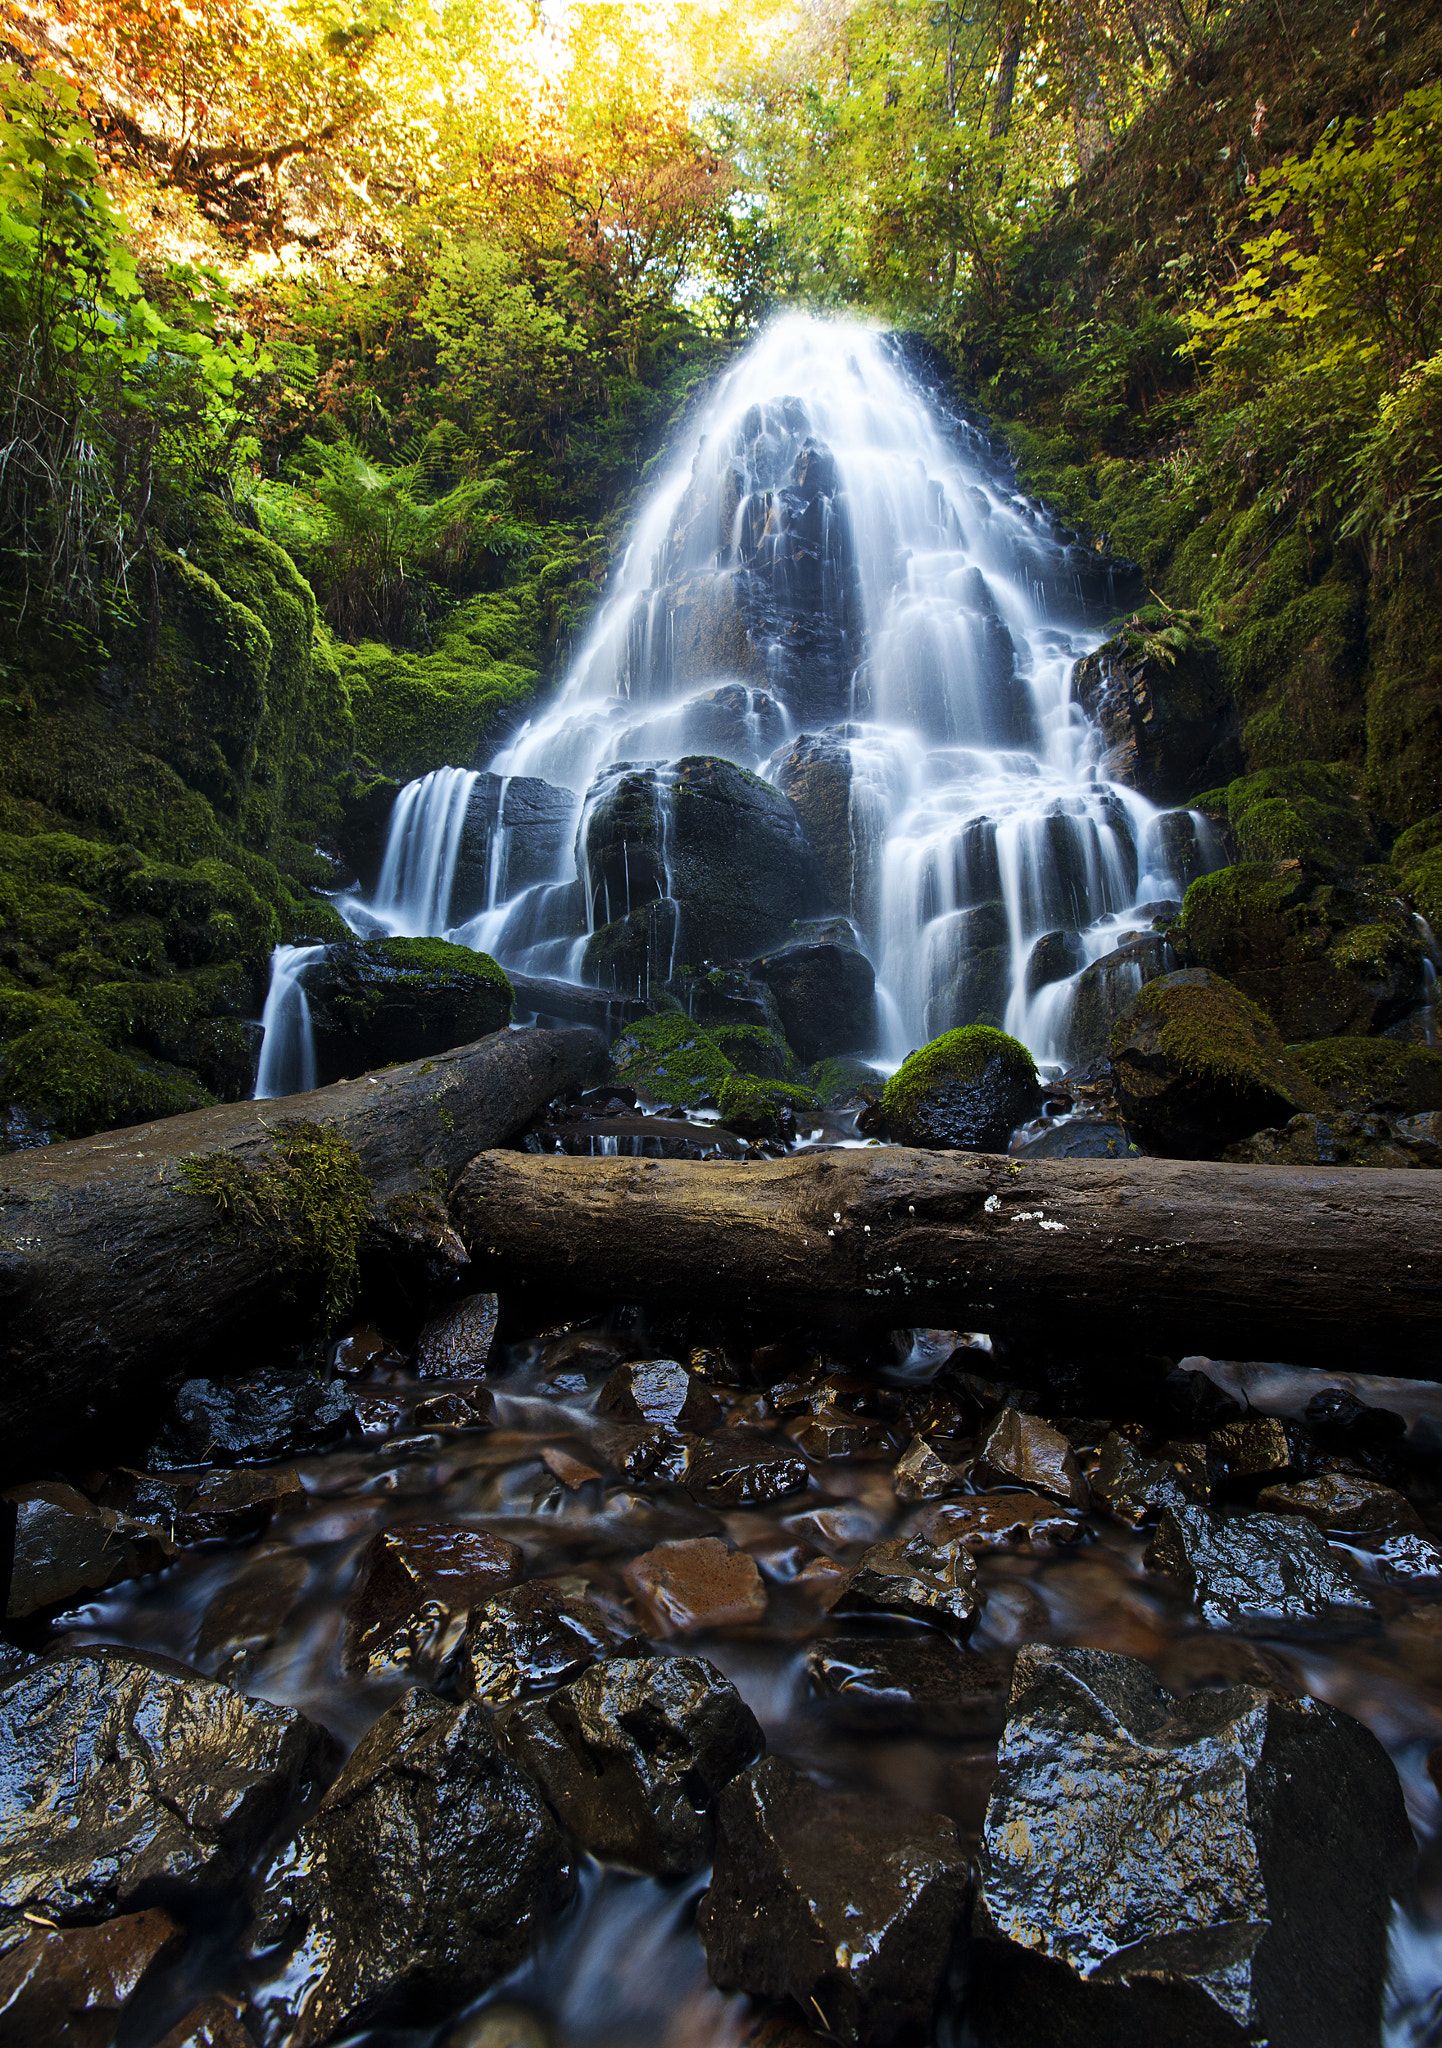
[1305,1264]
[116,1271]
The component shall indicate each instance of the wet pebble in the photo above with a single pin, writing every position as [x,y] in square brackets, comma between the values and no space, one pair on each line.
[73,1984]
[536,1636]
[414,1591]
[696,1583]
[60,1547]
[1028,1452]
[909,1575]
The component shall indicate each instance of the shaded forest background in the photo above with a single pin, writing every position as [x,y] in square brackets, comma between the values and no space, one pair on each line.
[337,341]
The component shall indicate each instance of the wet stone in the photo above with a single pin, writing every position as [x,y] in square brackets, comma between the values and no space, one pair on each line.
[1252,1570]
[73,1984]
[643,1454]
[1029,1452]
[830,1435]
[922,1682]
[129,1781]
[217,2022]
[1220,1869]
[219,1506]
[473,1409]
[1344,1505]
[1001,1521]
[1130,1486]
[534,1637]
[837,1902]
[416,1586]
[244,1618]
[736,1469]
[279,1412]
[1243,1455]
[56,1546]
[909,1575]
[573,1473]
[662,1393]
[428,1870]
[633,1755]
[457,1345]
[696,1583]
[923,1474]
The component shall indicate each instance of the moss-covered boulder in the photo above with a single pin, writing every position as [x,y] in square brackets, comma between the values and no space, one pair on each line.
[1346,1137]
[1196,1065]
[1104,990]
[968,1090]
[1372,1073]
[754,1050]
[767,1111]
[1325,955]
[668,1059]
[845,1083]
[1417,860]
[1167,719]
[1307,812]
[374,1002]
[825,990]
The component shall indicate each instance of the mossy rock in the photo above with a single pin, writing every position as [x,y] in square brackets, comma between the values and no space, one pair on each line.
[1197,1065]
[845,1083]
[59,1079]
[1404,690]
[967,1090]
[374,1002]
[754,1050]
[668,1059]
[1305,812]
[1417,860]
[1372,1073]
[1157,695]
[764,1110]
[1324,955]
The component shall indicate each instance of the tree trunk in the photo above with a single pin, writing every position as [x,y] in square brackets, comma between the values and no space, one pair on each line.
[1008,59]
[1305,1264]
[115,1274]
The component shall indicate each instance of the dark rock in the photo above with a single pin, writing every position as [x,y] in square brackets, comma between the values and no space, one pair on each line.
[473,1408]
[909,1575]
[838,1902]
[416,1587]
[696,1583]
[923,1474]
[1343,1505]
[215,2023]
[1218,1871]
[1130,1486]
[428,1870]
[128,1781]
[633,1754]
[534,1637]
[967,1090]
[277,1412]
[644,1455]
[73,1984]
[1080,1137]
[662,1393]
[1055,956]
[1168,721]
[219,1506]
[922,1682]
[1242,1455]
[1106,989]
[376,1001]
[736,1469]
[56,1546]
[516,824]
[1345,1137]
[816,775]
[457,1345]
[1002,1521]
[825,991]
[1251,1571]
[1030,1453]
[728,995]
[246,1615]
[828,1436]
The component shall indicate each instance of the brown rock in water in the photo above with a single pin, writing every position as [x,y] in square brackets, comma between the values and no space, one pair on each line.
[245,1617]
[740,1469]
[573,1473]
[842,1903]
[537,1636]
[1252,1571]
[1242,1454]
[1344,1505]
[61,1546]
[474,1408]
[457,1345]
[217,2022]
[73,1984]
[921,1681]
[696,1583]
[661,1393]
[428,1870]
[1029,1452]
[218,1506]
[1130,1486]
[828,1435]
[909,1575]
[923,1474]
[416,1586]
[999,1521]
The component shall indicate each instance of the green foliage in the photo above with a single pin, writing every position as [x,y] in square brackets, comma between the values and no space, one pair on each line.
[308,1202]
[415,711]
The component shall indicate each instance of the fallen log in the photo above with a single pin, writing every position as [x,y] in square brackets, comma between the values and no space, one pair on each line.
[126,1256]
[1304,1263]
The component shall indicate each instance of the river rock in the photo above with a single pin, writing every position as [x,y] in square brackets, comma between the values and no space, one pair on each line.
[661,1393]
[216,2022]
[825,991]
[1028,1452]
[633,1754]
[1219,1870]
[277,1412]
[377,1001]
[841,1903]
[695,1583]
[129,1780]
[428,1870]
[1132,1487]
[1104,991]
[1002,1521]
[245,1616]
[739,1469]
[967,1090]
[1343,1504]
[60,1547]
[457,1345]
[212,1507]
[1252,1571]
[415,1588]
[1168,722]
[1345,1137]
[457,1408]
[534,1637]
[1242,1455]
[909,1575]
[73,1984]
[921,1473]
[922,1682]
[829,1436]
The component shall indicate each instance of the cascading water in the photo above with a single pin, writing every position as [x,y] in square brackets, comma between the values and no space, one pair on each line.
[829,576]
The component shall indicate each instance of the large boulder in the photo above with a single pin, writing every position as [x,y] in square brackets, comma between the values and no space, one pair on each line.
[1104,990]
[59,1546]
[825,990]
[515,832]
[816,775]
[1167,720]
[374,1002]
[1217,1870]
[129,1781]
[1197,1065]
[428,1870]
[842,1903]
[1255,1571]
[967,1090]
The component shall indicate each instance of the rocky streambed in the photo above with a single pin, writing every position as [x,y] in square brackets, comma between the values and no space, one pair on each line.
[506,1686]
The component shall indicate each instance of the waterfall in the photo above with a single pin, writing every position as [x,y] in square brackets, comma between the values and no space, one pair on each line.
[287,1049]
[830,562]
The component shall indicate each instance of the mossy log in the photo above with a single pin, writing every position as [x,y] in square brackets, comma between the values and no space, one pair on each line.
[127,1257]
[1305,1264]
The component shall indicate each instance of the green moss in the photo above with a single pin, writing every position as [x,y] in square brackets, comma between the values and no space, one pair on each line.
[960,1055]
[1210,1032]
[838,1082]
[1372,1073]
[424,960]
[59,1079]
[669,1059]
[762,1109]
[1305,812]
[309,1202]
[1422,880]
[1404,692]
[752,1049]
[414,711]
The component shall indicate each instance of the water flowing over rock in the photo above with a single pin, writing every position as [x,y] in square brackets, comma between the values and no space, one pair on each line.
[835,587]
